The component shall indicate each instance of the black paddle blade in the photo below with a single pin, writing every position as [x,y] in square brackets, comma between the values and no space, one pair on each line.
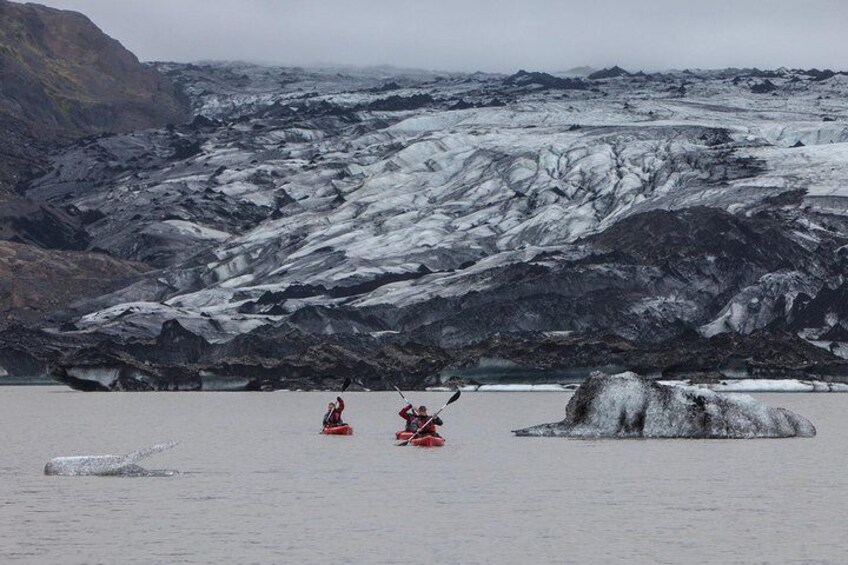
[454,398]
[346,383]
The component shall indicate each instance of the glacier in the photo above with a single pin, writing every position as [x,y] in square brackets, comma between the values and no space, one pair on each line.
[440,209]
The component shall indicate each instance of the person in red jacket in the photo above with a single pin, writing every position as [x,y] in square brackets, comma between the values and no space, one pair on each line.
[333,417]
[409,414]
[419,421]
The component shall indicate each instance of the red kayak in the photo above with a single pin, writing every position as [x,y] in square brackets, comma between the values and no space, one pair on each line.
[344,430]
[428,441]
[403,435]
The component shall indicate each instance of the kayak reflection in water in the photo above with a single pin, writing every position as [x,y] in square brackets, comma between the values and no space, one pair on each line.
[333,417]
[419,421]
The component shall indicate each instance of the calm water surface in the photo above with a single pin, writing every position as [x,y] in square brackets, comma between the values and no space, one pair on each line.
[259,485]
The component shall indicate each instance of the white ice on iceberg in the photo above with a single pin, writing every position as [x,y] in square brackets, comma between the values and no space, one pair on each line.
[629,406]
[108,465]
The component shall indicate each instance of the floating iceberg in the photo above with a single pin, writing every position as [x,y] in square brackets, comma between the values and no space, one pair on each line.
[629,406]
[765,385]
[109,465]
[507,388]
[725,385]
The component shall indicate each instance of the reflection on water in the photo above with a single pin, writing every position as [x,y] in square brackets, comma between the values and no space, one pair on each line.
[259,484]
[19,380]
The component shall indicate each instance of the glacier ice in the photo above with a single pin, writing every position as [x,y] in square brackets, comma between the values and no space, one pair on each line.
[304,191]
[627,406]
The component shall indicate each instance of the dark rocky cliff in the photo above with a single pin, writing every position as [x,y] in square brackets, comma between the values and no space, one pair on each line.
[62,78]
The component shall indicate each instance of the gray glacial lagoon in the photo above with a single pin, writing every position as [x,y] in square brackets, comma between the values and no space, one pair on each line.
[259,485]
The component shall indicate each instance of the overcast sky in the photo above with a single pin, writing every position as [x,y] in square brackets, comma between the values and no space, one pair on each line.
[488,35]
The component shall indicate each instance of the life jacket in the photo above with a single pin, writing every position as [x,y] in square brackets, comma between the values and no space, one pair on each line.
[411,419]
[332,418]
[412,424]
[425,428]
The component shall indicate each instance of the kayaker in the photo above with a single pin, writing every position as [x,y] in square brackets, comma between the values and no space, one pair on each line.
[333,417]
[409,414]
[423,424]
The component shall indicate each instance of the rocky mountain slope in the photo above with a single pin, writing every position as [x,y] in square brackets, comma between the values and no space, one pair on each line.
[35,282]
[62,78]
[388,224]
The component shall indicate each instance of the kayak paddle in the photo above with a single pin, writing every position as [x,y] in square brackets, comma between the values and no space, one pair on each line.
[450,401]
[402,396]
[408,403]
